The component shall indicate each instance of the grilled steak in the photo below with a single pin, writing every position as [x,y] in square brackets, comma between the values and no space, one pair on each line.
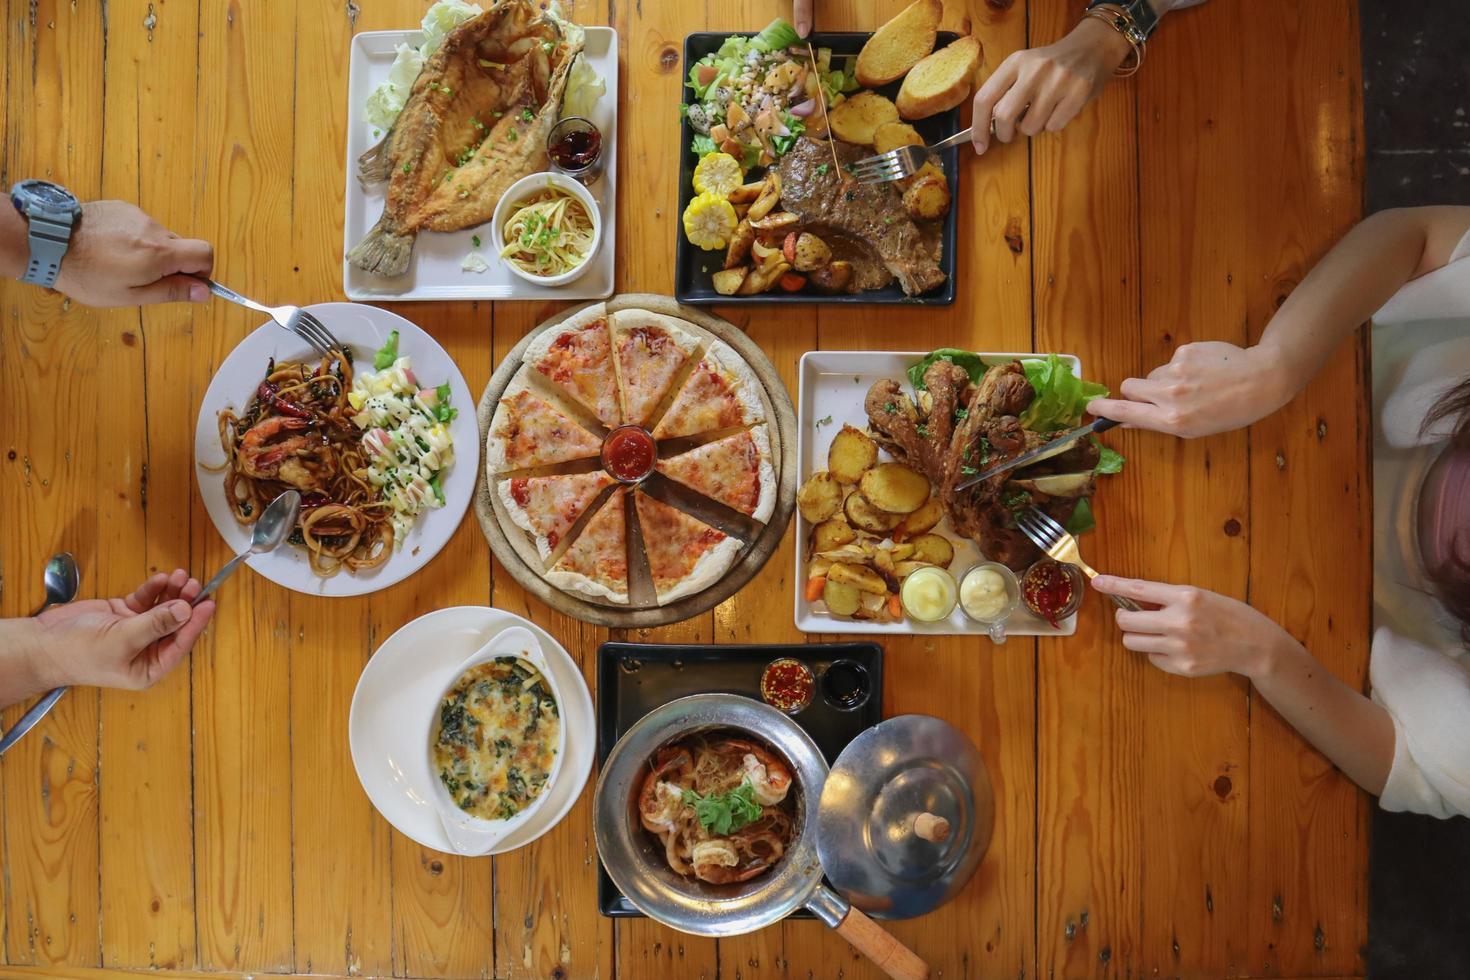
[870,214]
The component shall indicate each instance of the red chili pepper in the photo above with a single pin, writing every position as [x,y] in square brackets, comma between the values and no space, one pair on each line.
[313,499]
[270,392]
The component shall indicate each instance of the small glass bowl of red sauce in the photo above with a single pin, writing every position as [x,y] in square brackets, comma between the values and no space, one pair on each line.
[787,684]
[1052,590]
[628,453]
[574,146]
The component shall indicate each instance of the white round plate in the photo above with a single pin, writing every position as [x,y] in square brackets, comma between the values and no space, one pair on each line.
[364,329]
[398,688]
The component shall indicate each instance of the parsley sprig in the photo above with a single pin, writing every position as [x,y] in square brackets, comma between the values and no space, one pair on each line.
[724,813]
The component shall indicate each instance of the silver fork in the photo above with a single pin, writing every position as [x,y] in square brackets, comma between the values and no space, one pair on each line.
[293,318]
[1060,545]
[904,161]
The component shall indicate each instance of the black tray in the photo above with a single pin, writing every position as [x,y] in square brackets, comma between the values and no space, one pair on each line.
[635,678]
[695,268]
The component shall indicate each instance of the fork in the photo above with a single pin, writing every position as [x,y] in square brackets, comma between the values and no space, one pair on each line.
[293,318]
[904,161]
[1060,545]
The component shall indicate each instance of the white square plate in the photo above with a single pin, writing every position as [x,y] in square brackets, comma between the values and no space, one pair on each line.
[434,272]
[833,384]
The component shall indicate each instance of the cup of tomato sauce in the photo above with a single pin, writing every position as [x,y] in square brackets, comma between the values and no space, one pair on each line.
[1052,590]
[628,453]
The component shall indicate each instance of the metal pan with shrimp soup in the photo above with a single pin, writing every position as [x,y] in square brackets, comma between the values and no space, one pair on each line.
[719,804]
[367,449]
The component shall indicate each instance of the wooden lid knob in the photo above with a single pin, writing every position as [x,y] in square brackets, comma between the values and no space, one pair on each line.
[931,828]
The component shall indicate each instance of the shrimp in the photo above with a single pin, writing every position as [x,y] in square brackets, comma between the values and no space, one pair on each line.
[277,448]
[661,799]
[768,774]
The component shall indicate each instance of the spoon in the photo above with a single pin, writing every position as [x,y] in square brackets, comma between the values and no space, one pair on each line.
[62,579]
[273,528]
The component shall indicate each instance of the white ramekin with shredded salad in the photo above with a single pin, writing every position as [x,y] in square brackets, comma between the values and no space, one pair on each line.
[405,436]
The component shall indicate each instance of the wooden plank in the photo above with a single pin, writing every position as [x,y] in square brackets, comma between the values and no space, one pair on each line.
[1089,689]
[1309,466]
[55,102]
[242,745]
[1197,236]
[146,843]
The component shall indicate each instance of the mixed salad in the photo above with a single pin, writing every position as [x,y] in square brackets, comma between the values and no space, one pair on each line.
[405,436]
[755,96]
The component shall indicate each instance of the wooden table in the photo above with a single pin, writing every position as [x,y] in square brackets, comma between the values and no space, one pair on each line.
[1146,825]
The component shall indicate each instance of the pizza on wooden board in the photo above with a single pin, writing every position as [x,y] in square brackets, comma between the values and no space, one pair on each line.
[735,470]
[529,431]
[549,506]
[685,555]
[597,561]
[576,356]
[648,349]
[721,392]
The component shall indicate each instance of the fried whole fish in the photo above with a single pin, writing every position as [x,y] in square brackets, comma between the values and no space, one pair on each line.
[475,122]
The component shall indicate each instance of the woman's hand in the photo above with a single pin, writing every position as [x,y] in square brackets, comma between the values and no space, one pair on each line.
[121,257]
[1044,88]
[1194,632]
[1205,388]
[128,643]
[801,13]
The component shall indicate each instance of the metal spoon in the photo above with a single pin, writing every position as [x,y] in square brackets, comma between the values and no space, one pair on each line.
[62,579]
[270,531]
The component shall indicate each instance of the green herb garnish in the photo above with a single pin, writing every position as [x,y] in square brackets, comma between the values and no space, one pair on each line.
[527,115]
[823,168]
[475,240]
[823,421]
[386,354]
[724,813]
[923,430]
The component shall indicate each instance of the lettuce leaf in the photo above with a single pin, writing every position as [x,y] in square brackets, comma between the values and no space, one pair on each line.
[1108,460]
[1061,396]
[969,360]
[387,354]
[701,145]
[778,34]
[1081,520]
[584,88]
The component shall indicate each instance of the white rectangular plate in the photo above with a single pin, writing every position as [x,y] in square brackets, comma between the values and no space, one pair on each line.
[435,272]
[833,385]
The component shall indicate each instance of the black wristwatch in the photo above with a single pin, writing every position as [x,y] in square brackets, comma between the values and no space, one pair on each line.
[53,213]
[1139,20]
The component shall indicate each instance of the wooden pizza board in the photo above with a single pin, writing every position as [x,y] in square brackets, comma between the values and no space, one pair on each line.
[517,554]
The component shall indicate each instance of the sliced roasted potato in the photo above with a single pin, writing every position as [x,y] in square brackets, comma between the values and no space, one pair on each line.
[818,566]
[851,454]
[819,497]
[832,533]
[890,136]
[858,576]
[854,553]
[902,552]
[903,569]
[862,514]
[918,521]
[769,195]
[855,120]
[746,193]
[933,549]
[728,281]
[927,198]
[809,253]
[841,598]
[763,278]
[1066,485]
[776,221]
[832,277]
[895,488]
[740,243]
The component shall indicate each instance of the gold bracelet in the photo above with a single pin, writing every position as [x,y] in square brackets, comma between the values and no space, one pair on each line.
[1117,18]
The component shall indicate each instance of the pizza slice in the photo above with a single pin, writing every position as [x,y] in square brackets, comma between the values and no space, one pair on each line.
[597,561]
[720,393]
[649,349]
[527,431]
[548,506]
[685,555]
[577,358]
[735,470]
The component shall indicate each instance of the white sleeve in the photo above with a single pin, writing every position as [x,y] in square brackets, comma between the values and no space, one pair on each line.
[1427,694]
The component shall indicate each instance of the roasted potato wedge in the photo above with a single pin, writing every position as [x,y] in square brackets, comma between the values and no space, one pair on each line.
[918,521]
[770,194]
[895,488]
[841,598]
[819,497]
[809,253]
[832,277]
[1065,485]
[740,243]
[852,453]
[892,135]
[776,220]
[857,119]
[902,552]
[858,576]
[862,514]
[903,569]
[746,193]
[818,566]
[856,553]
[832,533]
[933,549]
[927,198]
[728,281]
[763,278]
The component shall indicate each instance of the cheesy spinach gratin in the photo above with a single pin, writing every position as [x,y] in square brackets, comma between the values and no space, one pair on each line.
[497,739]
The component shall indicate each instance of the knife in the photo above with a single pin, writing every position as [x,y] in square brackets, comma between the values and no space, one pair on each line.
[1056,447]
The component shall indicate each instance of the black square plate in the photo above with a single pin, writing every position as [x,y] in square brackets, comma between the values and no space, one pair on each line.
[635,678]
[695,268]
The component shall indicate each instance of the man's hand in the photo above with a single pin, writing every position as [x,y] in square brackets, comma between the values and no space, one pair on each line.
[121,257]
[128,643]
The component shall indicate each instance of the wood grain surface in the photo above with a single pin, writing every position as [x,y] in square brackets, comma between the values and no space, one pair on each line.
[1146,825]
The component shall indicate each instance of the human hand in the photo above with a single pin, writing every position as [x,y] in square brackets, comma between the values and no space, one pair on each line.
[1205,388]
[801,13]
[1045,88]
[128,643]
[119,256]
[1196,633]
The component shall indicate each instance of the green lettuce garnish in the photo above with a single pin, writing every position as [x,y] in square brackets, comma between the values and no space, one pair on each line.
[1061,396]
[969,360]
[777,35]
[442,411]
[387,354]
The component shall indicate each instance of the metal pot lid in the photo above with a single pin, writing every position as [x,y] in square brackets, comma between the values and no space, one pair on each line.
[882,786]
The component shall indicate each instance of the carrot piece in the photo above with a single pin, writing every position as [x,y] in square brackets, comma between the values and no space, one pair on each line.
[895,607]
[814,587]
[791,281]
